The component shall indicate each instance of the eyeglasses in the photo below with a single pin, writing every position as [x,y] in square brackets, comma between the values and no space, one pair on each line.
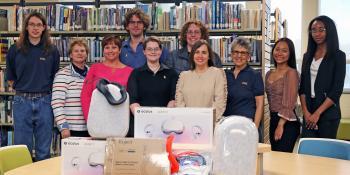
[156,49]
[242,53]
[32,25]
[135,22]
[318,30]
[194,32]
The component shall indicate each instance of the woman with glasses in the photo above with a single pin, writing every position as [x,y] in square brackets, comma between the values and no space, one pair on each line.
[191,32]
[245,85]
[111,69]
[322,80]
[282,92]
[153,84]
[203,85]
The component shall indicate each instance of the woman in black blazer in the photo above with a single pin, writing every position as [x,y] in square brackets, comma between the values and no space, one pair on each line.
[322,80]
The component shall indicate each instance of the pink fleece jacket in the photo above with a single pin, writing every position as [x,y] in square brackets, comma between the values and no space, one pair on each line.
[96,72]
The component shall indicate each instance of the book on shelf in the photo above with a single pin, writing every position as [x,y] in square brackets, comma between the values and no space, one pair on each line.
[4,46]
[3,20]
[9,138]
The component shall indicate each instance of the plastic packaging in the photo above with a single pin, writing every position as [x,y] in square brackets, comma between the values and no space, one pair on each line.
[235,146]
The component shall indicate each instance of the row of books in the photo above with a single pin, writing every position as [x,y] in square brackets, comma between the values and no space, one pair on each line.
[6,136]
[214,14]
[221,45]
[6,109]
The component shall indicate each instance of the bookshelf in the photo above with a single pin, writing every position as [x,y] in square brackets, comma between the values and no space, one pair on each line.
[260,31]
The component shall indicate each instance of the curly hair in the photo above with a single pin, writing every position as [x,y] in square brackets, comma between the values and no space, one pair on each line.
[138,13]
[183,33]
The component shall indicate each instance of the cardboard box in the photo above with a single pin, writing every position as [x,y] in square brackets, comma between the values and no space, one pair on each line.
[189,125]
[82,156]
[129,156]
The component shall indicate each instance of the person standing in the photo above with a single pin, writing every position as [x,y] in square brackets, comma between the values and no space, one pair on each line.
[31,66]
[66,91]
[204,85]
[191,32]
[245,86]
[322,80]
[282,92]
[111,69]
[136,24]
[154,84]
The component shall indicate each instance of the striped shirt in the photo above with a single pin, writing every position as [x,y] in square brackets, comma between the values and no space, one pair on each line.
[65,102]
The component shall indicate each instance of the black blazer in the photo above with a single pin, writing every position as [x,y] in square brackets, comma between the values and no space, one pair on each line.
[329,82]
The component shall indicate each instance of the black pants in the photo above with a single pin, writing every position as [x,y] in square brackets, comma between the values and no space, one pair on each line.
[290,134]
[326,129]
[131,126]
[79,133]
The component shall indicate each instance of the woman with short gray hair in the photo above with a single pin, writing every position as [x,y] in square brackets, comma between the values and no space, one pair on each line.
[245,85]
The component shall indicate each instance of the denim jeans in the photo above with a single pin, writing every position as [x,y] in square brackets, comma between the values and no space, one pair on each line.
[33,117]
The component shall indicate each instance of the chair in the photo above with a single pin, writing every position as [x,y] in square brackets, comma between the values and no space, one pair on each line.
[323,147]
[13,156]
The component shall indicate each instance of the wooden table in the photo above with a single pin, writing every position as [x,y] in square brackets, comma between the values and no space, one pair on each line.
[275,163]
[298,164]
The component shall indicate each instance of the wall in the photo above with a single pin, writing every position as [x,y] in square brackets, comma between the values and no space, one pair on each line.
[309,12]
[345,105]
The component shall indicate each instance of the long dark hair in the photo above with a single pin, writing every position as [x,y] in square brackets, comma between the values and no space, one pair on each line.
[23,41]
[197,45]
[331,36]
[291,60]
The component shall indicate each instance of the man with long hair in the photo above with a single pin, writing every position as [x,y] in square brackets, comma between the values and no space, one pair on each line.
[31,66]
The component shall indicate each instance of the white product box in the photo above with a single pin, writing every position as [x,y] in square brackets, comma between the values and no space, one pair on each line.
[189,125]
[82,156]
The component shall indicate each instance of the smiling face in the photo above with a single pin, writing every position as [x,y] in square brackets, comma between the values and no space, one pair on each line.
[318,32]
[135,26]
[35,28]
[111,51]
[193,34]
[79,54]
[152,51]
[240,56]
[201,56]
[281,53]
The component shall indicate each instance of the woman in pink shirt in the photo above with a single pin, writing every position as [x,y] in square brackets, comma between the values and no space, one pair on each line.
[111,69]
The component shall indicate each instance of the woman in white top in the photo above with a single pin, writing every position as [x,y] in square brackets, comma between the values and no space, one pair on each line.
[203,85]
[322,80]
